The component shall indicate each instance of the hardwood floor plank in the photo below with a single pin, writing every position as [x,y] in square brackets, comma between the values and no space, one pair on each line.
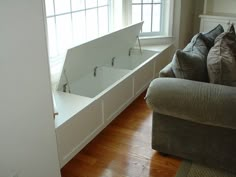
[123,149]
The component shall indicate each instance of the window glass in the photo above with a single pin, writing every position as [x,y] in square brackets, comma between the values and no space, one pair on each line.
[74,22]
[79,27]
[92,24]
[64,35]
[62,6]
[136,1]
[102,2]
[156,21]
[49,7]
[91,3]
[147,18]
[103,20]
[52,41]
[77,5]
[136,13]
[156,1]
[147,1]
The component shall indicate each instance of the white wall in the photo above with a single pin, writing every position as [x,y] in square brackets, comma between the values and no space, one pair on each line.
[183,22]
[27,136]
[220,6]
[186,22]
[199,8]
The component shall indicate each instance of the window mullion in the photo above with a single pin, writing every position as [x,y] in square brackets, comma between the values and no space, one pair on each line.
[142,10]
[161,16]
[151,15]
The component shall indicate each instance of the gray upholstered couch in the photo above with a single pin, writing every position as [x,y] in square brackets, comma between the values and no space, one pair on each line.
[193,120]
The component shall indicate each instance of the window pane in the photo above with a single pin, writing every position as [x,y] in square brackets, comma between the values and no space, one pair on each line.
[77,5]
[103,20]
[136,1]
[79,28]
[156,23]
[136,13]
[102,2]
[49,7]
[147,18]
[91,3]
[62,6]
[156,1]
[52,41]
[147,1]
[64,32]
[92,24]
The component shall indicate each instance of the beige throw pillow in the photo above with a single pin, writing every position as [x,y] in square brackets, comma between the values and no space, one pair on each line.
[221,60]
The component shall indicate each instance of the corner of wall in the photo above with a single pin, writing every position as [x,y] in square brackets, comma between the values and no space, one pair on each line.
[186,20]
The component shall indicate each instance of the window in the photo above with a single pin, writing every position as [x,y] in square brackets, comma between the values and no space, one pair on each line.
[71,22]
[149,11]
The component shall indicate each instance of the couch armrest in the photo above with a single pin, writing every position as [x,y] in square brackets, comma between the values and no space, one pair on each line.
[199,102]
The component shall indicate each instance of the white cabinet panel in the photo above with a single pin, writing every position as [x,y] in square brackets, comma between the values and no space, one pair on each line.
[163,58]
[73,135]
[118,98]
[143,77]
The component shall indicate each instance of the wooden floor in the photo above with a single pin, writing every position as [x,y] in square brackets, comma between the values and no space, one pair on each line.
[123,149]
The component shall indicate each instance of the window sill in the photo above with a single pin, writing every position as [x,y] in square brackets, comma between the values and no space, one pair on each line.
[156,40]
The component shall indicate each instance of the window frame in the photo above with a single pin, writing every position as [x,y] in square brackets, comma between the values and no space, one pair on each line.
[152,33]
[166,19]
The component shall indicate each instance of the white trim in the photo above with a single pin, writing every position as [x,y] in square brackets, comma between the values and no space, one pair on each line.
[171,17]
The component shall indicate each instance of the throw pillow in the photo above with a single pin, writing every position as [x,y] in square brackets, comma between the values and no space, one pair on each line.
[231,29]
[190,63]
[221,60]
[211,35]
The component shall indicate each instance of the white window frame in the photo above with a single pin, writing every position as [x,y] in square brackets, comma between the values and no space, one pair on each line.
[161,19]
[165,22]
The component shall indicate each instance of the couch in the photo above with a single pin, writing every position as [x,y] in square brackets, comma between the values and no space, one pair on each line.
[194,111]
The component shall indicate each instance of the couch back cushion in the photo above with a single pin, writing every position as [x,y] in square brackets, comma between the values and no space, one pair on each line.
[190,63]
[212,34]
[221,60]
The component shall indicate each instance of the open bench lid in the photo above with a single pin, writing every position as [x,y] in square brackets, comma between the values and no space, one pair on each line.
[81,60]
